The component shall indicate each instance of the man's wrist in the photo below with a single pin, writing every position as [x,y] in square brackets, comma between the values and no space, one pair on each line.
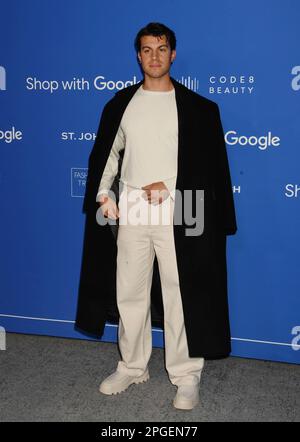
[101,194]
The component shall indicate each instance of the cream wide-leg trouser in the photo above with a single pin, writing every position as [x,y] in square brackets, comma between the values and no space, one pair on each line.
[137,245]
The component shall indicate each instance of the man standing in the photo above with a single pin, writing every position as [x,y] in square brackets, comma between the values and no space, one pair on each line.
[166,148]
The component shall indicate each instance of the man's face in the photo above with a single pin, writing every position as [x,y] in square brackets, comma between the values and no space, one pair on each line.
[155,55]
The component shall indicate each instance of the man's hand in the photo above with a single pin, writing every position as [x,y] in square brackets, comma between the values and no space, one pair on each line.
[155,193]
[108,207]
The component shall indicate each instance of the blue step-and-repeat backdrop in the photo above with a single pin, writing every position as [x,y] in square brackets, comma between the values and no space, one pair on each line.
[60,62]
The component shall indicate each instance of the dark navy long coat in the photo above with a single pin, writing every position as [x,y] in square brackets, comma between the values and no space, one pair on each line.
[202,267]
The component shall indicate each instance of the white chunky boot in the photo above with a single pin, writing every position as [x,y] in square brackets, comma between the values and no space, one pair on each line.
[119,382]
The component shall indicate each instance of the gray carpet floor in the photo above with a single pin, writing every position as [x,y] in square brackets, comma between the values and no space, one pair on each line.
[56,379]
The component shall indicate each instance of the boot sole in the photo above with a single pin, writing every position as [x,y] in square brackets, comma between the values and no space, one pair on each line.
[110,390]
[185,405]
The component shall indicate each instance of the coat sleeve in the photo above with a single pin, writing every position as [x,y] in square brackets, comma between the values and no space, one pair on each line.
[222,180]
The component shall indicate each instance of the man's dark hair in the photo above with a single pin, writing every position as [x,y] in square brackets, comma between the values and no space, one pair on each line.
[155,29]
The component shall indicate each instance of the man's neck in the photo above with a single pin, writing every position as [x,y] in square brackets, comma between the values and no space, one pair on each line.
[163,84]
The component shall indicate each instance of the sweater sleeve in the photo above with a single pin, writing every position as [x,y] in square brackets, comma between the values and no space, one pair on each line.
[111,168]
[170,184]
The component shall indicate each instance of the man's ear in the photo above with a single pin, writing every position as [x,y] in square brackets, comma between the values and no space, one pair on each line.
[173,55]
